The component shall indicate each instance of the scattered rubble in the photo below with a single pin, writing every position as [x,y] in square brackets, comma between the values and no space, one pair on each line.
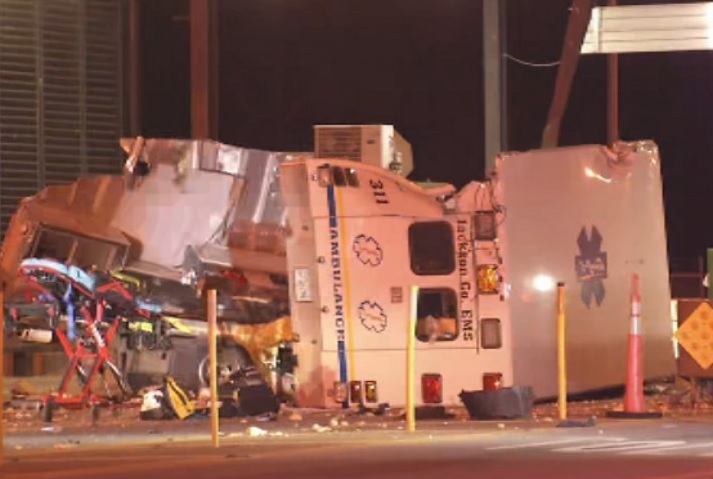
[295,416]
[23,388]
[254,431]
[22,413]
[319,428]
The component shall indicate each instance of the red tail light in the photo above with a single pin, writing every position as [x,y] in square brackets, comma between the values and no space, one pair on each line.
[355,392]
[432,388]
[492,381]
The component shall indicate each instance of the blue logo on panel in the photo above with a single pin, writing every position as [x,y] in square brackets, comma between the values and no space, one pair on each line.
[591,266]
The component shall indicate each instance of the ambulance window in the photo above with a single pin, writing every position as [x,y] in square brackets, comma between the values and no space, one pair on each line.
[352,178]
[431,248]
[339,178]
[437,315]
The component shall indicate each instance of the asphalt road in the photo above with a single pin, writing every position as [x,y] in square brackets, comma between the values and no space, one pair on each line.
[633,450]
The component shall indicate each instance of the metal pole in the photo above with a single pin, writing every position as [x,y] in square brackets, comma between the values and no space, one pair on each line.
[493,84]
[561,350]
[612,93]
[2,372]
[214,68]
[411,361]
[213,362]
[576,29]
[201,84]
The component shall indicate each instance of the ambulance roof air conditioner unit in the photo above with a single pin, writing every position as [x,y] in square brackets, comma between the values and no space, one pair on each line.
[378,145]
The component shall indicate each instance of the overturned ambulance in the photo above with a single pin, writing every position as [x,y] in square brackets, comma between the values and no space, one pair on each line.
[314,256]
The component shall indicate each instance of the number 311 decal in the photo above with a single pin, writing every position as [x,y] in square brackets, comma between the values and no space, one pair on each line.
[377,188]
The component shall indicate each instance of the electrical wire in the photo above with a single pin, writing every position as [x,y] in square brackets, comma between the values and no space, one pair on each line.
[531,64]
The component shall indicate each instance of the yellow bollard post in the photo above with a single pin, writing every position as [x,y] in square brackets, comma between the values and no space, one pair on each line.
[561,350]
[411,361]
[213,364]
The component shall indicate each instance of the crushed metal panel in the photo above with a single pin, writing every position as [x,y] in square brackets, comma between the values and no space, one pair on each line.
[591,219]
[84,208]
[164,217]
[196,193]
[650,28]
[229,195]
[223,257]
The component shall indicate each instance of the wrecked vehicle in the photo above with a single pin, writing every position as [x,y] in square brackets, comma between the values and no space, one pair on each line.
[314,255]
[70,245]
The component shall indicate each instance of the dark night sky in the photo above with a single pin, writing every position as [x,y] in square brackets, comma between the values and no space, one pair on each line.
[286,65]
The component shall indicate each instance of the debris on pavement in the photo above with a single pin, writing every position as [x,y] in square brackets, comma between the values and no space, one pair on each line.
[254,431]
[590,422]
[23,388]
[295,416]
[23,416]
[320,428]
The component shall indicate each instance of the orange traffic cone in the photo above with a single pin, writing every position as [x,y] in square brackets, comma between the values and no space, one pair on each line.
[634,401]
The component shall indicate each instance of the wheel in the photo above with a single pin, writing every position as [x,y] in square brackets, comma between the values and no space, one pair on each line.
[231,359]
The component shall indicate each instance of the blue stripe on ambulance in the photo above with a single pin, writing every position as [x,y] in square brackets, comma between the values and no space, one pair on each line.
[341,346]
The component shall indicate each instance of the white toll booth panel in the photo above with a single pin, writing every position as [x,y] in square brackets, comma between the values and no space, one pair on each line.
[591,218]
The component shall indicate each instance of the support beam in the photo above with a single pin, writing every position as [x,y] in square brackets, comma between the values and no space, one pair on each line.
[2,372]
[613,132]
[203,69]
[494,87]
[576,29]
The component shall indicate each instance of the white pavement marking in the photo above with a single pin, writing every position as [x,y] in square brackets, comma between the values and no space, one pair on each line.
[525,445]
[620,446]
[710,454]
[612,445]
[665,450]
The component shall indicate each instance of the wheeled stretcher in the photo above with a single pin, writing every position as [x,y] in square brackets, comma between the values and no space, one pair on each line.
[85,313]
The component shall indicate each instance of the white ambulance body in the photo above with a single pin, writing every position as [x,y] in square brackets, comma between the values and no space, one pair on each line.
[362,236]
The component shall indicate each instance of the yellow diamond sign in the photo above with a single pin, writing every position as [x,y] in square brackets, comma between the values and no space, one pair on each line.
[696,335]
